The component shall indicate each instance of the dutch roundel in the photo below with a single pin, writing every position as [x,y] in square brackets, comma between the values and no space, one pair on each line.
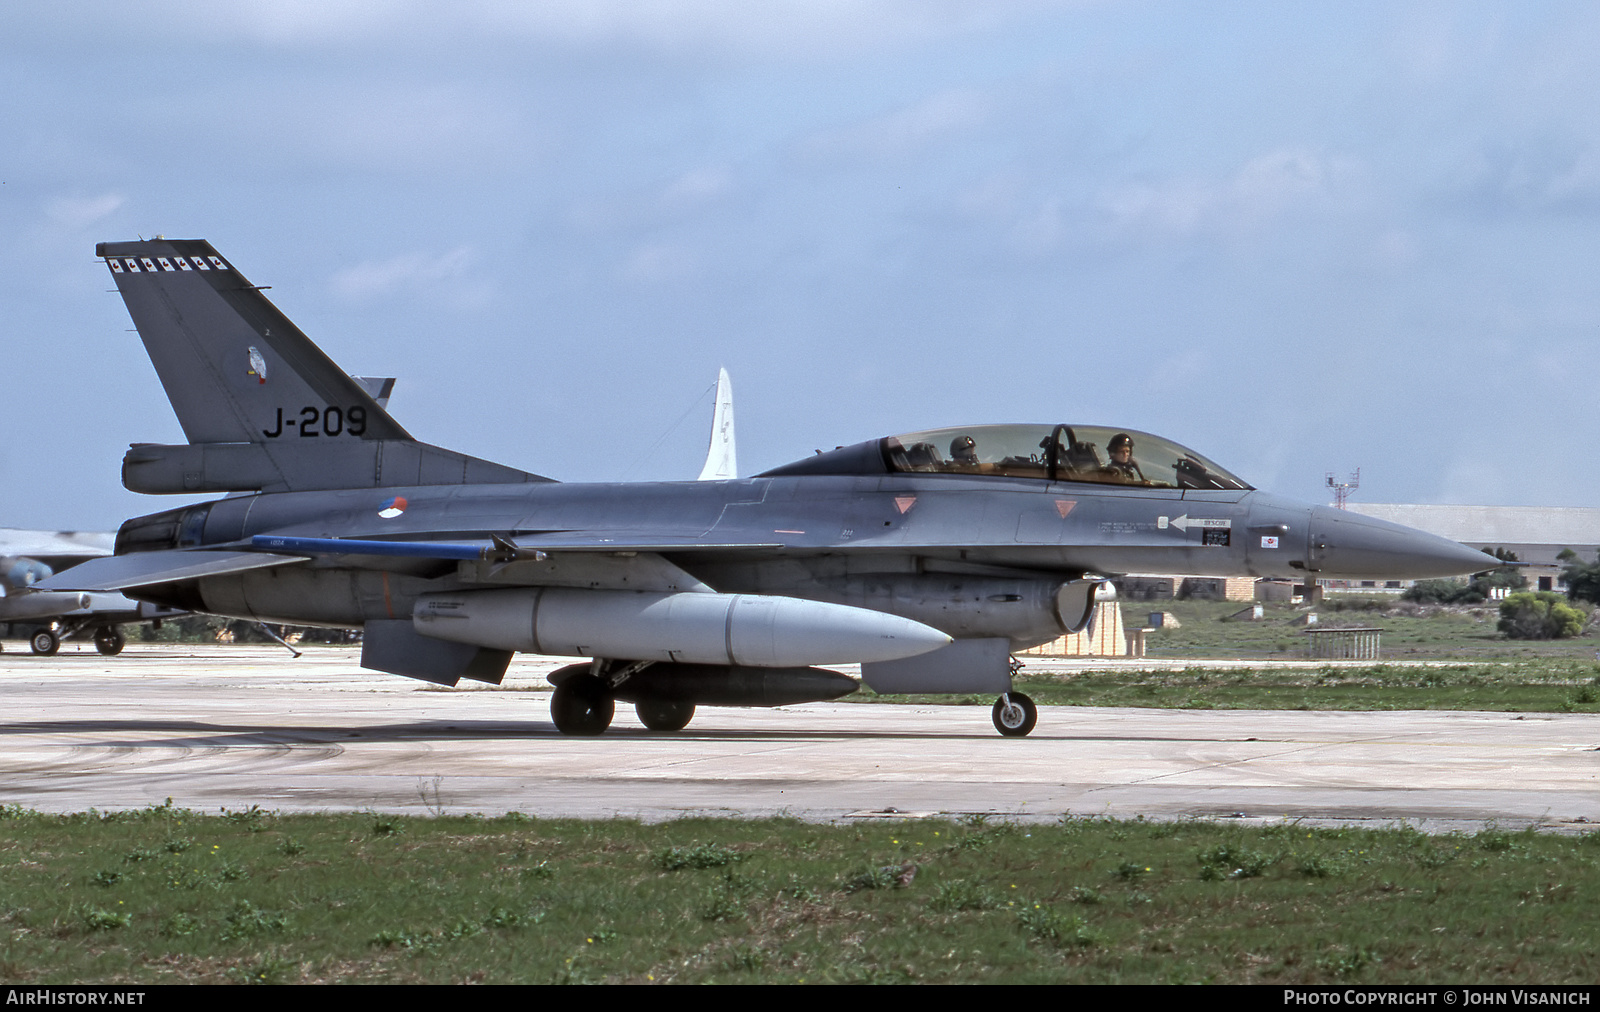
[393,508]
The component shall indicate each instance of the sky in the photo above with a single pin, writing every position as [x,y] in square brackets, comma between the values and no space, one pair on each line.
[1299,238]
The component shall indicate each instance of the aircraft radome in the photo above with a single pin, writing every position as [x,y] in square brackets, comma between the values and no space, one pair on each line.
[928,557]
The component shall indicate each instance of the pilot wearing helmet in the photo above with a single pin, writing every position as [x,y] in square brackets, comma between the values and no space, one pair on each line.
[964,452]
[1122,466]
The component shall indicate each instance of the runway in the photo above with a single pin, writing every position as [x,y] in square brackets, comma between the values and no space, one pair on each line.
[232,726]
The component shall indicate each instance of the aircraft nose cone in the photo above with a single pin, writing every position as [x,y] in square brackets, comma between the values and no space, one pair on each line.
[1352,546]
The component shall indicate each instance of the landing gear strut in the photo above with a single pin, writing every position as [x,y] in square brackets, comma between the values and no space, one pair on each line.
[1014,715]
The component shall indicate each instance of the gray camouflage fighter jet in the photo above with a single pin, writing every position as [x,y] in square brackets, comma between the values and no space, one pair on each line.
[29,557]
[927,557]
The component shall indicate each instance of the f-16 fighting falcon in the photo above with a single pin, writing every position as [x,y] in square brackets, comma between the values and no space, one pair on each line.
[28,557]
[926,557]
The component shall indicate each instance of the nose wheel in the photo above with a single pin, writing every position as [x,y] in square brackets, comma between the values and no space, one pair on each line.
[1015,715]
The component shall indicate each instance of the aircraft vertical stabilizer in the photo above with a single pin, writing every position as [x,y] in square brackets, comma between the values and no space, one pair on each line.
[721,461]
[263,408]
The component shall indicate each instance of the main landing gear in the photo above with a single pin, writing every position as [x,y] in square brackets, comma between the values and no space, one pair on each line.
[664,715]
[582,705]
[45,642]
[109,640]
[585,699]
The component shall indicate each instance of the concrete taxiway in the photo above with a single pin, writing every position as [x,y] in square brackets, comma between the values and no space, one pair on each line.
[234,726]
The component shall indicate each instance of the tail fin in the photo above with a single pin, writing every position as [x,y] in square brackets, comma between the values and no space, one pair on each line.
[721,461]
[261,405]
[234,367]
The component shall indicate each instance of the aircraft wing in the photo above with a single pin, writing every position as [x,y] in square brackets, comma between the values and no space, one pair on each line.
[58,549]
[142,569]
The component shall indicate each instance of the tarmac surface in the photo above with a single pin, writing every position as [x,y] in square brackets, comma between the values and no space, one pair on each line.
[233,726]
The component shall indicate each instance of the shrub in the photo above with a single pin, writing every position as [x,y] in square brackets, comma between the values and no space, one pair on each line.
[1539,615]
[1442,592]
[1583,579]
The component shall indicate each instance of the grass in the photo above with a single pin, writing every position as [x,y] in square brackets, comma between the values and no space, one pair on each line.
[167,895]
[1557,686]
[1434,659]
[1524,687]
[1410,632]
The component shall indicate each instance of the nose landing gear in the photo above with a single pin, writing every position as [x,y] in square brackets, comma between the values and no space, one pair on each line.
[1014,715]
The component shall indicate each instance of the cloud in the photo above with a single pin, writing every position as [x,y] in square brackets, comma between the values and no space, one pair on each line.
[905,130]
[772,29]
[77,213]
[401,127]
[1258,192]
[1537,176]
[660,262]
[695,188]
[689,196]
[407,271]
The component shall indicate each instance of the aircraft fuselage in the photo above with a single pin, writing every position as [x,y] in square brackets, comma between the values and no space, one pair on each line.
[812,537]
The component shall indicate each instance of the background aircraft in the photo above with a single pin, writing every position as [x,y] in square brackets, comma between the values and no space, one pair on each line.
[722,462]
[27,557]
[928,557]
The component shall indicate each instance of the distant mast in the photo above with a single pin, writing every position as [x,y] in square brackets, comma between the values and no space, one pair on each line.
[1342,489]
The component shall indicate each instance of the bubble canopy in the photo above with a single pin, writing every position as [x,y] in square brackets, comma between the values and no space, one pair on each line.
[1088,453]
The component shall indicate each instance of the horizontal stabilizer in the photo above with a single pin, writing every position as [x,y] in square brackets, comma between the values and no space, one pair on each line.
[145,569]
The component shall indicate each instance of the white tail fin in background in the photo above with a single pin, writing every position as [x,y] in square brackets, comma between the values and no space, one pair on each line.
[721,461]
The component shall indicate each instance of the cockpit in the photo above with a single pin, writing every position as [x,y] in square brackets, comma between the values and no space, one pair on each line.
[1048,452]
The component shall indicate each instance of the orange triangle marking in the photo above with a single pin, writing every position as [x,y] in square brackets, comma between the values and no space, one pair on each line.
[1064,506]
[905,502]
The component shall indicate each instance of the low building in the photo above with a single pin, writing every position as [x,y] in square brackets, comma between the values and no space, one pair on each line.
[1536,535]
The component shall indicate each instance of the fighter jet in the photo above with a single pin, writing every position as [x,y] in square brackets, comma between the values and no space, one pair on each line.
[28,557]
[927,557]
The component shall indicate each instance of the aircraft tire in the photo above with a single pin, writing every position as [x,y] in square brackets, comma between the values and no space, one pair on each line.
[581,705]
[1015,715]
[45,642]
[664,715]
[110,641]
